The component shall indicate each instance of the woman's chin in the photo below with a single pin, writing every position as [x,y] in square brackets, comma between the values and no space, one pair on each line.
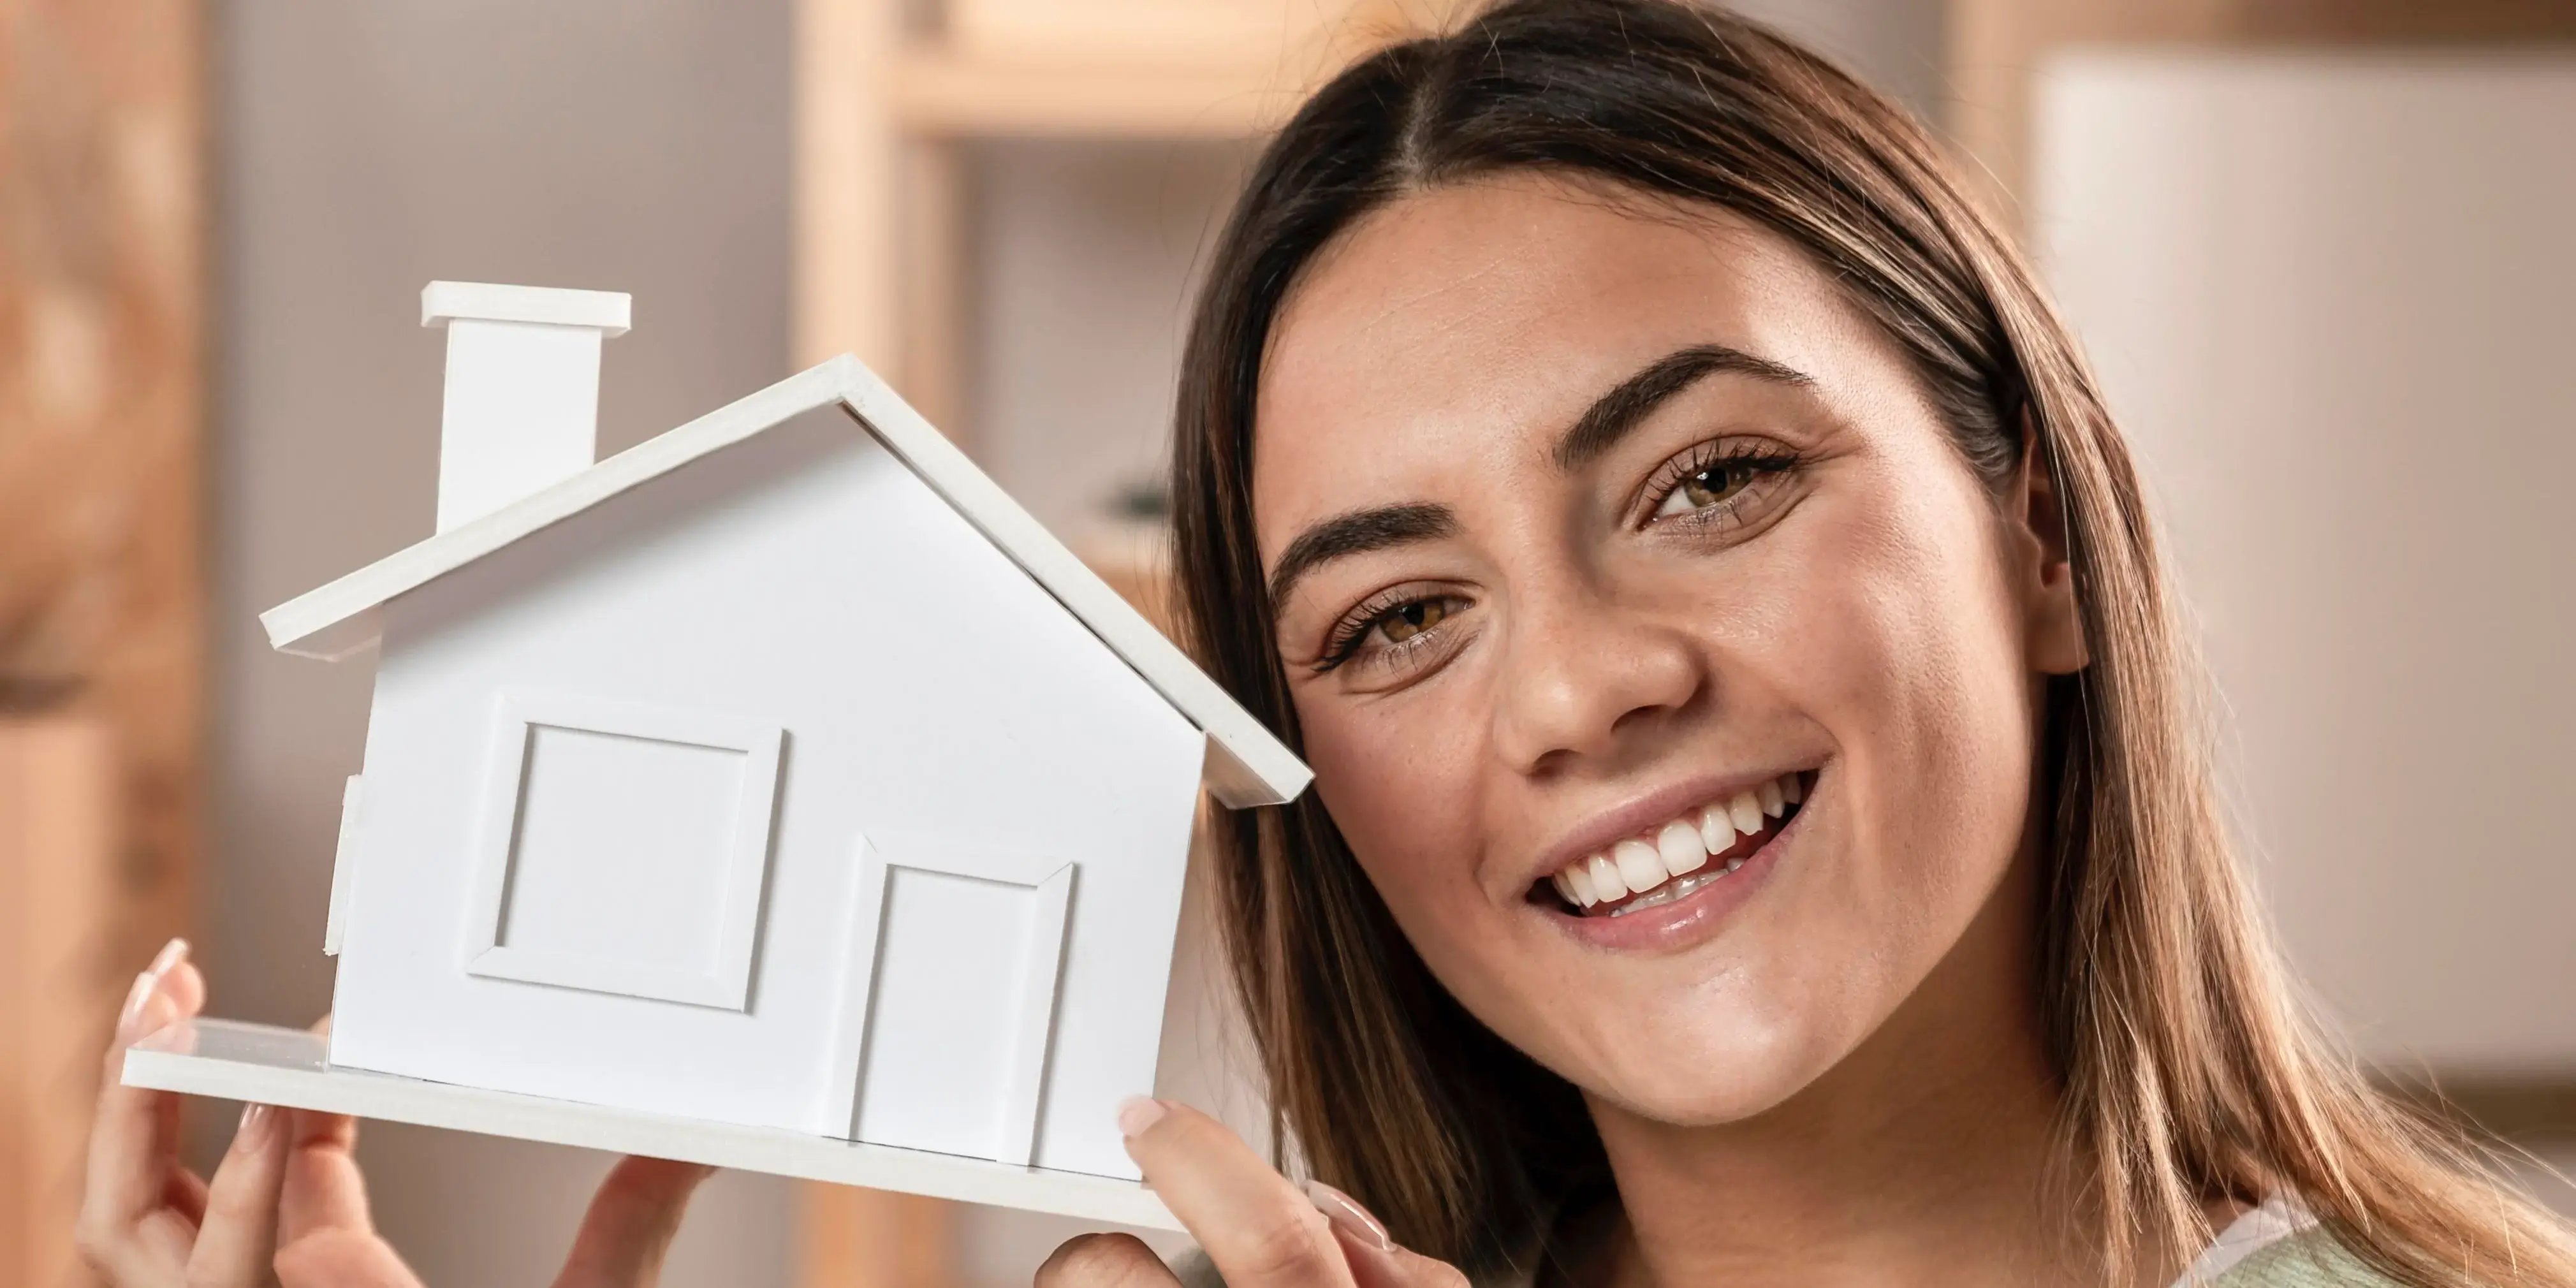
[1704,1078]
[1716,1101]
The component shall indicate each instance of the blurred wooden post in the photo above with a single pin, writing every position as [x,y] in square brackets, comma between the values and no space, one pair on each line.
[850,283]
[60,980]
[930,362]
[848,277]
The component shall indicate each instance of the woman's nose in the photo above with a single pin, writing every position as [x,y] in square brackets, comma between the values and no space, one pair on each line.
[1586,680]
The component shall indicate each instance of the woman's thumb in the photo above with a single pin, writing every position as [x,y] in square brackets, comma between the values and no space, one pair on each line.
[630,1224]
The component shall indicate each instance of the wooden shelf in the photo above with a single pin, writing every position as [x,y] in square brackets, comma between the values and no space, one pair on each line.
[942,93]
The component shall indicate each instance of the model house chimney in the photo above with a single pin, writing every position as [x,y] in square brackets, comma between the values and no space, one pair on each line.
[522,389]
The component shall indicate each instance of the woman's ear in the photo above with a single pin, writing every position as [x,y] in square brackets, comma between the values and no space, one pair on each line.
[2055,625]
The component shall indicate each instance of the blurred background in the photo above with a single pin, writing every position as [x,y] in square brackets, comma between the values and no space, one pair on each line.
[2319,248]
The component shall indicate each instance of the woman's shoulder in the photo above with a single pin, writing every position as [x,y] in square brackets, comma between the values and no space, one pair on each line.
[2311,1258]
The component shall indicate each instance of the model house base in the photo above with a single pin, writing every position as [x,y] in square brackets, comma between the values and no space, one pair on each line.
[229,1060]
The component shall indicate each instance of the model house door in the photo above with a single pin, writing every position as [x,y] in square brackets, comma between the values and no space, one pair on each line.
[963,958]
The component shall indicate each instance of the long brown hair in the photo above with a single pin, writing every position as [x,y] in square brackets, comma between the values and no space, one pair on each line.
[2187,1071]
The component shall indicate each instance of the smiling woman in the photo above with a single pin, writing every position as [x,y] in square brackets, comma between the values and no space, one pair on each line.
[1762,828]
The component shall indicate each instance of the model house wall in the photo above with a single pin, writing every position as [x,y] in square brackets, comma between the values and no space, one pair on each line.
[947,741]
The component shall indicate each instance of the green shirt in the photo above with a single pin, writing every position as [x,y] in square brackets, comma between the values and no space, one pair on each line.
[2309,1259]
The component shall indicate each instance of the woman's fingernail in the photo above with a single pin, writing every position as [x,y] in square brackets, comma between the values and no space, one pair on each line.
[135,997]
[257,1121]
[1353,1221]
[1137,1113]
[130,1017]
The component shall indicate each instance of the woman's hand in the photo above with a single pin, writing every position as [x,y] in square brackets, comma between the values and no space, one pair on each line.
[287,1204]
[1260,1229]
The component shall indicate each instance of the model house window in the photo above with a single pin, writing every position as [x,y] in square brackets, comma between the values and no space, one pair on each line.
[622,848]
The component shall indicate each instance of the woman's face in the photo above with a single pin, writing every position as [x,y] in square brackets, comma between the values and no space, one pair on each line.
[1591,524]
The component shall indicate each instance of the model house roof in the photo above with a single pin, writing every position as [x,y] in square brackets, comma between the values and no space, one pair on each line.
[1247,764]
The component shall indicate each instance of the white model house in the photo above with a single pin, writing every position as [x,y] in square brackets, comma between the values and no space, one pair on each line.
[779,771]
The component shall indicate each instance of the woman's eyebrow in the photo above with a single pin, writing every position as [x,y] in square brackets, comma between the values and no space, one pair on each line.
[1618,411]
[1355,532]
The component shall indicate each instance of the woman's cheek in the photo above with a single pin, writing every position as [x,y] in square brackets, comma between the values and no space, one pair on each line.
[1917,672]
[1396,790]
[1902,659]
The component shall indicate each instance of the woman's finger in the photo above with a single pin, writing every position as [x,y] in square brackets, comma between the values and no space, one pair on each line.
[1375,1259]
[183,982]
[185,1194]
[630,1224]
[1395,1267]
[341,1259]
[324,1188]
[133,1140]
[239,1234]
[1105,1261]
[325,1191]
[1260,1230]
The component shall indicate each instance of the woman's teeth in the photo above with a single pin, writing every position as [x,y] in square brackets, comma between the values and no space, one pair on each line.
[1666,863]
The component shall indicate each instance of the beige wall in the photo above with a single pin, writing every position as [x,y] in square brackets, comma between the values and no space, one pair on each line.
[363,149]
[1083,265]
[2328,295]
[1895,45]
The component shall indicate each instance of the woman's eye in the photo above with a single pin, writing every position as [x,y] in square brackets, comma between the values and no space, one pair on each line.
[1409,620]
[1396,630]
[1707,486]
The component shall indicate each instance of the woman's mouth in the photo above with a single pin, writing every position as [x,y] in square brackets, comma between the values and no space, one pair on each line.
[1679,857]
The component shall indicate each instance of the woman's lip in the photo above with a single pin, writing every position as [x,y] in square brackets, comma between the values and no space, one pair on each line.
[1691,919]
[1654,808]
